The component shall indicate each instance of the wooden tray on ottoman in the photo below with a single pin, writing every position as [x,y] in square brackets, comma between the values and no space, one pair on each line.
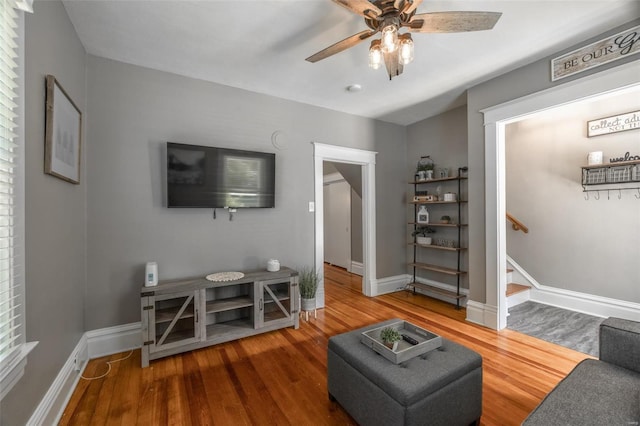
[427,341]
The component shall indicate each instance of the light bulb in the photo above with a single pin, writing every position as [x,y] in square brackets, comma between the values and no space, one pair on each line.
[389,38]
[406,49]
[375,55]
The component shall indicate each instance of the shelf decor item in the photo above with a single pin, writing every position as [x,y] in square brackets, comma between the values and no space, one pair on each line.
[424,169]
[423,215]
[273,265]
[151,274]
[63,134]
[423,235]
[225,276]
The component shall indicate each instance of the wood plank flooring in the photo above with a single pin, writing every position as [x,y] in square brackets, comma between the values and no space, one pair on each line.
[279,378]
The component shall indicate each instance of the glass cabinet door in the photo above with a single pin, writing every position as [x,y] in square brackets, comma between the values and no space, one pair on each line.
[174,321]
[275,303]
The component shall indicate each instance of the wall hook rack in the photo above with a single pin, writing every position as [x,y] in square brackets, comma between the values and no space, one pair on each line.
[597,192]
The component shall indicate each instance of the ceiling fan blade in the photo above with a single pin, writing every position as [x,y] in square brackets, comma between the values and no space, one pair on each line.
[361,7]
[341,45]
[411,5]
[453,22]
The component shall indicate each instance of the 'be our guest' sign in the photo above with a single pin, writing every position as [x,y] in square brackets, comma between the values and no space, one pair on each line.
[614,124]
[625,43]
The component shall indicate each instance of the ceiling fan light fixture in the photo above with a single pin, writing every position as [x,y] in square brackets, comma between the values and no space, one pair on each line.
[406,49]
[387,17]
[375,55]
[389,38]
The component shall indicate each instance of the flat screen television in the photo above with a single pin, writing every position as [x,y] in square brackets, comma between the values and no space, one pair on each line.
[204,176]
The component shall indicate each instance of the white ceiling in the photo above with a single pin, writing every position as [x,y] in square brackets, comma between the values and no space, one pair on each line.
[261,46]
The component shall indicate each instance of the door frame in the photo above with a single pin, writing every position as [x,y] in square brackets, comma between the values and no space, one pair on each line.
[495,120]
[366,159]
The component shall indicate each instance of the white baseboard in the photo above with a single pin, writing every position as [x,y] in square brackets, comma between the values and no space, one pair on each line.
[111,340]
[356,268]
[576,301]
[52,405]
[392,284]
[92,344]
[482,314]
[586,303]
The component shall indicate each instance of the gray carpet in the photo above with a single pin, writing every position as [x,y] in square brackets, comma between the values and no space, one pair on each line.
[570,329]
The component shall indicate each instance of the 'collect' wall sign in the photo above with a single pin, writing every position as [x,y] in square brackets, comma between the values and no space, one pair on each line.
[617,46]
[614,124]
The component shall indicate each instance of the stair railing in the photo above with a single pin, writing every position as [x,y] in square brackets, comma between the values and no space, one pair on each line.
[516,224]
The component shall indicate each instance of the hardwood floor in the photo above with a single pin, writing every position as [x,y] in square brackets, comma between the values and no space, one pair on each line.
[279,378]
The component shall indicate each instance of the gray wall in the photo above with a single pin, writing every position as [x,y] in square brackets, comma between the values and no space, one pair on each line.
[133,111]
[444,138]
[586,246]
[523,81]
[55,216]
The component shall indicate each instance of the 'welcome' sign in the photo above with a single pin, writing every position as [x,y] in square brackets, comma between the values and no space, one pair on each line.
[625,43]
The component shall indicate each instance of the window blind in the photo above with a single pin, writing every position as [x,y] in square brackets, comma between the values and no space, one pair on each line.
[11,281]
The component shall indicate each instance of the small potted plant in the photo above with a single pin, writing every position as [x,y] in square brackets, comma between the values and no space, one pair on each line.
[445,219]
[424,169]
[390,337]
[308,279]
[423,235]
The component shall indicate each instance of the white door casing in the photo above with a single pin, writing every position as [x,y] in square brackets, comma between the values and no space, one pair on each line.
[495,120]
[366,159]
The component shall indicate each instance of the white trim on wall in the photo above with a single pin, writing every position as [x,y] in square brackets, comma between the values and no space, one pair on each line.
[356,268]
[586,303]
[576,301]
[393,284]
[366,159]
[495,120]
[92,344]
[110,340]
[52,405]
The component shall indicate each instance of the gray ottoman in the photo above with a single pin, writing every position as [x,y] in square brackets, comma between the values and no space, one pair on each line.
[441,387]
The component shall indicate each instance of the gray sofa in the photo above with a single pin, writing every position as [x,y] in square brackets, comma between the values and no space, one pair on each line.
[599,392]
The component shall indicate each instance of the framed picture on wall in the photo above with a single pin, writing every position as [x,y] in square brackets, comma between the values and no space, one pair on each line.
[63,134]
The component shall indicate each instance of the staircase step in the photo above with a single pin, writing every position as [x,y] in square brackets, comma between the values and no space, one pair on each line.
[509,270]
[513,288]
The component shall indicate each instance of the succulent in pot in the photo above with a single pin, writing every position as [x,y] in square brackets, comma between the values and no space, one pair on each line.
[390,336]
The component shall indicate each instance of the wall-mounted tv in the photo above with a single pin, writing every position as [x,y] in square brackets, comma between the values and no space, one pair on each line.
[204,176]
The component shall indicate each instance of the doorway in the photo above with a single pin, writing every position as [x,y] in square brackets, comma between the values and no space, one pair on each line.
[365,159]
[343,216]
[495,120]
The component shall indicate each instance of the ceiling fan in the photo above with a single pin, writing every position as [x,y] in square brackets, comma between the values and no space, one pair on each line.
[388,17]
